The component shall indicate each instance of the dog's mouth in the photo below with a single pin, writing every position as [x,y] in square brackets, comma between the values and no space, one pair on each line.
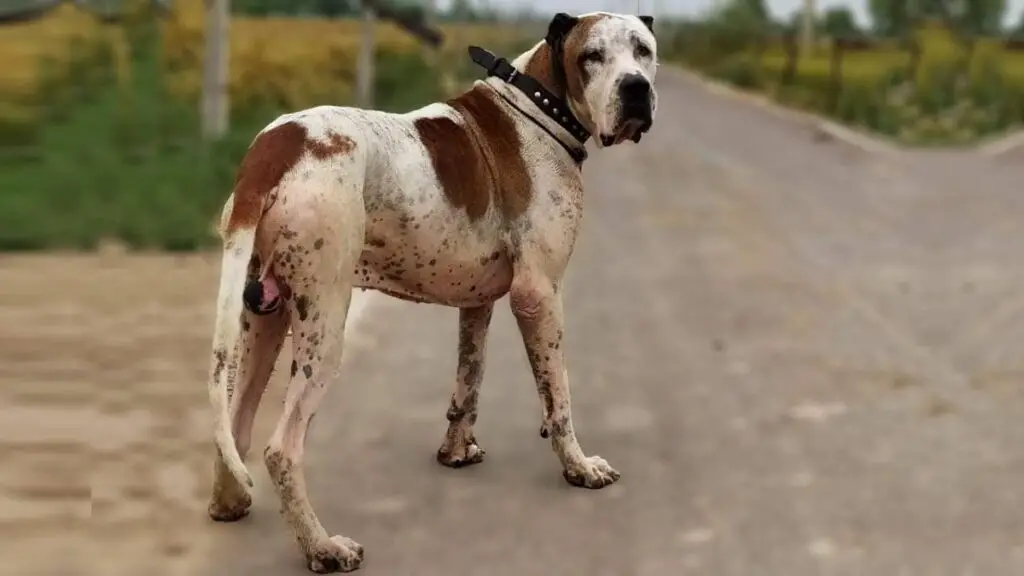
[628,129]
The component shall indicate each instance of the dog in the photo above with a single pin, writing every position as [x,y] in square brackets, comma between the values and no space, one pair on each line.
[456,203]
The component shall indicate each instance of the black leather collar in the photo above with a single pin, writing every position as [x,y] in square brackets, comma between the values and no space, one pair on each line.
[553,106]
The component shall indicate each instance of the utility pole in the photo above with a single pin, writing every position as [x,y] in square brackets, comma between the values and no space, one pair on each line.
[807,28]
[429,12]
[365,71]
[215,97]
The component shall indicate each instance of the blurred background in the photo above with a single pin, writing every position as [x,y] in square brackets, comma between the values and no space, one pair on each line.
[105,99]
[763,284]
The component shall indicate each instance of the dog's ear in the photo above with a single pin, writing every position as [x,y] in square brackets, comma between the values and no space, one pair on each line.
[649,22]
[559,28]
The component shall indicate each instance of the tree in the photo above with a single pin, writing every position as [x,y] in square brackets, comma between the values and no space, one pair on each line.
[1018,30]
[332,8]
[973,17]
[838,21]
[891,17]
[742,14]
[462,11]
[979,17]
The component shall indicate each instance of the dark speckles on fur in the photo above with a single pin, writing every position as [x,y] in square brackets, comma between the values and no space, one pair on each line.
[318,244]
[302,307]
[295,368]
[220,356]
[308,371]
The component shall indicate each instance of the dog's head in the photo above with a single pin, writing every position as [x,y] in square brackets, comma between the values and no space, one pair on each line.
[609,62]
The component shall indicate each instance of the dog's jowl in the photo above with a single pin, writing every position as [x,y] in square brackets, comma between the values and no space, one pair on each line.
[457,203]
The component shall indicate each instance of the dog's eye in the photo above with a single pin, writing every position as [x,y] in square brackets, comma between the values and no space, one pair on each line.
[642,51]
[592,56]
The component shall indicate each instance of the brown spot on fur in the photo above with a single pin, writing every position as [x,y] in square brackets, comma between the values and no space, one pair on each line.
[302,307]
[220,356]
[478,162]
[540,67]
[572,82]
[336,145]
[272,155]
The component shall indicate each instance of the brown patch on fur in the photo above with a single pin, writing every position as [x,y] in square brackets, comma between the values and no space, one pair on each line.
[575,77]
[336,145]
[272,155]
[540,67]
[479,162]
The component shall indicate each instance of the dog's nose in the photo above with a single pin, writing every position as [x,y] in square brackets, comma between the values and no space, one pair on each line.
[635,91]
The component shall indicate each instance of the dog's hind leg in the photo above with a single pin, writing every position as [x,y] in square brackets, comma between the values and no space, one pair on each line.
[259,346]
[318,331]
[460,447]
[322,245]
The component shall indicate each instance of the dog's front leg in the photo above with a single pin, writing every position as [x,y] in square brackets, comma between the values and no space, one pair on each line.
[537,307]
[460,448]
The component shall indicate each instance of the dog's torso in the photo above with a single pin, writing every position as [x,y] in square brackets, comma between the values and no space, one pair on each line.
[453,194]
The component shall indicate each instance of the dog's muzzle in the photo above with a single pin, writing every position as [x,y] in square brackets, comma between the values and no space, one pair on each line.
[635,97]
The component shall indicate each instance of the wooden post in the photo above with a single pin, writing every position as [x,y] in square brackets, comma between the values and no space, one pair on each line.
[430,12]
[215,97]
[835,75]
[807,29]
[431,54]
[789,69]
[365,73]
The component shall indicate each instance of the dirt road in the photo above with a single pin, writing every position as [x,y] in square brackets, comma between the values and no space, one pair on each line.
[804,359]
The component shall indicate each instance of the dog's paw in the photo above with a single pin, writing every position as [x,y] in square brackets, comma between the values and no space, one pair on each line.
[229,507]
[593,472]
[339,554]
[460,454]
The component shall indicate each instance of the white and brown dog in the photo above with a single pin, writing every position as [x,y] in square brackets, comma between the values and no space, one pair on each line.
[457,204]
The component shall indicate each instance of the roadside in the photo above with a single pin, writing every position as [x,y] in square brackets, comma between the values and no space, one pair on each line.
[825,128]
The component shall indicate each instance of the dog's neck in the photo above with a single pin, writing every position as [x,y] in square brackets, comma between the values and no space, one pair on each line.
[537,63]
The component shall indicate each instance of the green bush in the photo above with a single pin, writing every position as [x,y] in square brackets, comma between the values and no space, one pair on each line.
[741,70]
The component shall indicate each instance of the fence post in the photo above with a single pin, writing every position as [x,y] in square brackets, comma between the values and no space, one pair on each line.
[216,56]
[835,74]
[807,29]
[365,72]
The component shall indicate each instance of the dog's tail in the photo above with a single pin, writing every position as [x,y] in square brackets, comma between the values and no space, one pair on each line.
[238,249]
[272,154]
[239,236]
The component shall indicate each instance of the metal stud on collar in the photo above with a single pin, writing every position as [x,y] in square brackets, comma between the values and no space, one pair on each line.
[530,87]
[546,103]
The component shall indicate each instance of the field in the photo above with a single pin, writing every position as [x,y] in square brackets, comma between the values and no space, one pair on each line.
[299,52]
[111,135]
[951,96]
